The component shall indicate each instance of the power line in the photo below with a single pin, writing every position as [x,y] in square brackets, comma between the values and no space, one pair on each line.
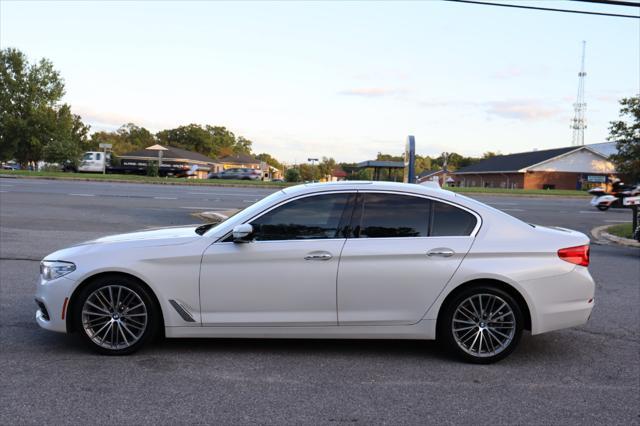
[611,2]
[484,3]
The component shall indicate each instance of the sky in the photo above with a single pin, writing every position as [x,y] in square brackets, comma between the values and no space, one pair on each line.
[338,79]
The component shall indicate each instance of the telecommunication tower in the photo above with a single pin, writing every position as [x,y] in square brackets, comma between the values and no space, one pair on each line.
[578,122]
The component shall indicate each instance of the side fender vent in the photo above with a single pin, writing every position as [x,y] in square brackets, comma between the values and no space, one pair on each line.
[181,311]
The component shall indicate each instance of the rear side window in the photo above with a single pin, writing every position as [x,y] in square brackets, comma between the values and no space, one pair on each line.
[393,215]
[450,221]
[314,217]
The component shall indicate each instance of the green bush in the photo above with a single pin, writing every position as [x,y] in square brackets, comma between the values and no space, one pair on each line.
[292,175]
[152,169]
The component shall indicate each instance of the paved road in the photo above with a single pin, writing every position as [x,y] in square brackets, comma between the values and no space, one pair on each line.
[586,374]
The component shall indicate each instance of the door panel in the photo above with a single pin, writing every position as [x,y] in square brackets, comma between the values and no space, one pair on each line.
[270,283]
[394,280]
[405,250]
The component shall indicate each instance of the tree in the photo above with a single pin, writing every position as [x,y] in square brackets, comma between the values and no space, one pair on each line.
[129,137]
[292,175]
[212,141]
[309,172]
[267,158]
[243,145]
[29,94]
[326,166]
[626,134]
[69,138]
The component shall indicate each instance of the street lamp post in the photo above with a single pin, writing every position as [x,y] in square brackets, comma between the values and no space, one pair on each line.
[312,161]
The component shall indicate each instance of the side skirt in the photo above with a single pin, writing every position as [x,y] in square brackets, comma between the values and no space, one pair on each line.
[423,330]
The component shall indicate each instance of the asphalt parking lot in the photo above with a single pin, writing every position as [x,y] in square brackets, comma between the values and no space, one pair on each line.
[588,374]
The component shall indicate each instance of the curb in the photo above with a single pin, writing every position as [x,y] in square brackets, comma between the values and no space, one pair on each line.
[603,237]
[88,179]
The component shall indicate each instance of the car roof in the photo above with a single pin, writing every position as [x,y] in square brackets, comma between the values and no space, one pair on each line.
[369,186]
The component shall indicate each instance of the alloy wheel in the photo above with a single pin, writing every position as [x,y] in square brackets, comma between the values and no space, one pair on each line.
[483,325]
[114,317]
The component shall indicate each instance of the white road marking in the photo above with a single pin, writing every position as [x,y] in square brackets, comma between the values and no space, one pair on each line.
[584,212]
[618,221]
[203,208]
[84,195]
[164,198]
[512,210]
[249,201]
[498,203]
[4,185]
[225,194]
[4,191]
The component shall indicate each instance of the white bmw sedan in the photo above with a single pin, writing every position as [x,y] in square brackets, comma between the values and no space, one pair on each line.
[352,260]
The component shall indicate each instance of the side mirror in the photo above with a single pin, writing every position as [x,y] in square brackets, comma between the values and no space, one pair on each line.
[242,233]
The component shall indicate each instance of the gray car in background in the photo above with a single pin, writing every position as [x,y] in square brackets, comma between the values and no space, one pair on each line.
[237,173]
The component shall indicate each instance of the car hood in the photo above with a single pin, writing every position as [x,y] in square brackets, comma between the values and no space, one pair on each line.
[159,236]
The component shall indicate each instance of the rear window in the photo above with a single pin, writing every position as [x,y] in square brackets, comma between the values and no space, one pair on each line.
[450,221]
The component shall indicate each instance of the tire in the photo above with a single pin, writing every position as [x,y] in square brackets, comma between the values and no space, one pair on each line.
[483,342]
[602,207]
[116,315]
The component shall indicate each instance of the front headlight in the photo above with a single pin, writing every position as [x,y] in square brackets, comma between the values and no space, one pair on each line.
[52,269]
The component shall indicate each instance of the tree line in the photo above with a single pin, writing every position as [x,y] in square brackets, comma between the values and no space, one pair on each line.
[36,126]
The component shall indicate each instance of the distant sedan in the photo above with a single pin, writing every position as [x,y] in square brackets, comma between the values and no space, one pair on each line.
[353,260]
[237,173]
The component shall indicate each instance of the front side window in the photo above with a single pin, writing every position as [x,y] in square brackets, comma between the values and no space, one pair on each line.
[393,215]
[450,221]
[315,217]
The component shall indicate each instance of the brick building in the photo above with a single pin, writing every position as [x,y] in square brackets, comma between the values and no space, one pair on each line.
[575,167]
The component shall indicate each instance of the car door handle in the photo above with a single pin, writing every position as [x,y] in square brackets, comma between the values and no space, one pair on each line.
[318,255]
[440,252]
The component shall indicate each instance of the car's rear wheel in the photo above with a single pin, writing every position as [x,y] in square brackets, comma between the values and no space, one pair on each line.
[602,207]
[116,315]
[481,324]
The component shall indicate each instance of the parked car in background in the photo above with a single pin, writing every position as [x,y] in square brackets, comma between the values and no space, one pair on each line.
[237,173]
[10,165]
[93,161]
[361,260]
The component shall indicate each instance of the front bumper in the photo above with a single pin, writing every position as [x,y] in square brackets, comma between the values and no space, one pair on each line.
[51,298]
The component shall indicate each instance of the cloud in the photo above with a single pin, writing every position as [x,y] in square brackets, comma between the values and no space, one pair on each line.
[527,110]
[373,92]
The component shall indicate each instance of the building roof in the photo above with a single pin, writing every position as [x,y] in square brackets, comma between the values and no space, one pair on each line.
[172,153]
[381,164]
[515,162]
[239,159]
[429,173]
[604,148]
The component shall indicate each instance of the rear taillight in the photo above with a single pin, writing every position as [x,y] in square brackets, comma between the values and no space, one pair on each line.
[578,255]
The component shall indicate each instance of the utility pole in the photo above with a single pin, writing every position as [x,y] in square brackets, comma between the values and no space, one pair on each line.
[578,122]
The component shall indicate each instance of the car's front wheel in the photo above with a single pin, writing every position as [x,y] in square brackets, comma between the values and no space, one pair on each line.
[481,324]
[116,315]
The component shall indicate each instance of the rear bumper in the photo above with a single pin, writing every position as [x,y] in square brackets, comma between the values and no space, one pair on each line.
[562,301]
